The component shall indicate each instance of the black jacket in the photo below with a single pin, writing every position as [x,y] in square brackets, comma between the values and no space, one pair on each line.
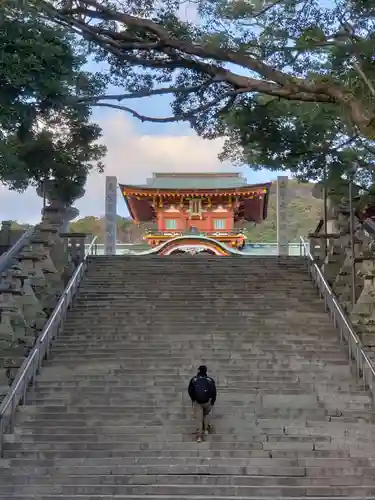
[210,380]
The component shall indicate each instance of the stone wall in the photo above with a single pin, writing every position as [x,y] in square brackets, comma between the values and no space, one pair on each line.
[337,267]
[30,290]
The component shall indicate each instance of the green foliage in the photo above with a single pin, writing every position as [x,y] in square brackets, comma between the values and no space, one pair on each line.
[127,230]
[44,132]
[303,214]
[16,226]
[289,83]
[88,225]
[307,140]
[231,52]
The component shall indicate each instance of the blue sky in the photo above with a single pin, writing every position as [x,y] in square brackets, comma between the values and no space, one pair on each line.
[135,150]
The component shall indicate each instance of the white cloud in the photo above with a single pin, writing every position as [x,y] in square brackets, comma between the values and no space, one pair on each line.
[132,157]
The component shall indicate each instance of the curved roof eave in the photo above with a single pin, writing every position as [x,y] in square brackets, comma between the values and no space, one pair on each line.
[128,204]
[131,189]
[139,209]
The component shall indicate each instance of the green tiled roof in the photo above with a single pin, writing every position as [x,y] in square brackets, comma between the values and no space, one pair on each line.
[198,181]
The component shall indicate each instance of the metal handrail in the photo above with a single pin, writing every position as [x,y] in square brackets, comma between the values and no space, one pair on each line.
[364,367]
[7,257]
[30,367]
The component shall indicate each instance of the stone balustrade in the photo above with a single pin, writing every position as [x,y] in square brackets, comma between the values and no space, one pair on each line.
[337,267]
[30,290]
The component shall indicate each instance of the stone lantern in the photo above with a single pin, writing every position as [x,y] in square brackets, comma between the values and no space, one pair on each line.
[59,210]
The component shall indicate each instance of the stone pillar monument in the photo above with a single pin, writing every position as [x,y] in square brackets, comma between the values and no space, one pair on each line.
[110,215]
[281,211]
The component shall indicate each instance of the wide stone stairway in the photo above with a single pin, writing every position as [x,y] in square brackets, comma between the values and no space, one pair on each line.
[110,416]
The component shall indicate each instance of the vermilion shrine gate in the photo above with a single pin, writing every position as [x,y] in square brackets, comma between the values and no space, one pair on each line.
[194,209]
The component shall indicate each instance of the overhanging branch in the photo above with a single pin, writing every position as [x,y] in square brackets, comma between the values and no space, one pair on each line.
[146,93]
[148,44]
[177,118]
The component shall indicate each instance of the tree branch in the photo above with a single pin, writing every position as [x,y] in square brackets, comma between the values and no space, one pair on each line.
[350,34]
[146,93]
[207,51]
[169,119]
[147,44]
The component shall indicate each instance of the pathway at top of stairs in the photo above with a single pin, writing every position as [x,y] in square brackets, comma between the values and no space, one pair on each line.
[110,417]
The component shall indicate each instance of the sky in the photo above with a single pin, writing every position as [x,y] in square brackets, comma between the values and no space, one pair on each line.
[135,151]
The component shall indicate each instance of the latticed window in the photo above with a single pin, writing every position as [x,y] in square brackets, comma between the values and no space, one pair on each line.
[195,207]
[170,224]
[219,223]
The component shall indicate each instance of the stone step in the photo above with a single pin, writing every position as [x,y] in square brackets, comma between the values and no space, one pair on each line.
[109,299]
[259,294]
[113,417]
[251,362]
[174,497]
[181,403]
[248,360]
[191,332]
[251,341]
[96,466]
[283,428]
[105,420]
[150,379]
[71,367]
[83,437]
[249,276]
[189,491]
[175,440]
[179,317]
[190,480]
[222,324]
[191,292]
[116,373]
[172,450]
[276,349]
[93,466]
[169,449]
[210,324]
[202,281]
[226,433]
[153,399]
[85,381]
[155,388]
[120,453]
[46,459]
[123,448]
[132,346]
[247,273]
[208,273]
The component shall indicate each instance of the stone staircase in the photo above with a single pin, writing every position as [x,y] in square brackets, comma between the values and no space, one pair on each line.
[110,417]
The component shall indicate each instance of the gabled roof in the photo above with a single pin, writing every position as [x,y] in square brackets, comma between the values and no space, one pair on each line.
[206,180]
[253,198]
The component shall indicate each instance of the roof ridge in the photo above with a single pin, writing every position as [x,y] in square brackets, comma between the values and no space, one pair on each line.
[196,174]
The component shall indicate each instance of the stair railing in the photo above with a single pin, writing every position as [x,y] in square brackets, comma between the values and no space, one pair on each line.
[358,359]
[29,369]
[7,258]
